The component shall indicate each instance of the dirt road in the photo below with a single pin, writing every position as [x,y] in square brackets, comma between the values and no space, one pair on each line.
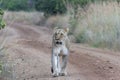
[29,49]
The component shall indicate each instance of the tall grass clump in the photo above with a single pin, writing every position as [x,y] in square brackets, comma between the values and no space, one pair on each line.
[99,25]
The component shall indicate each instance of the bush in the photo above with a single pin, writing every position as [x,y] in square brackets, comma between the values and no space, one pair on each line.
[100,26]
[51,7]
[82,3]
[54,7]
[16,5]
[0,67]
[2,23]
[81,37]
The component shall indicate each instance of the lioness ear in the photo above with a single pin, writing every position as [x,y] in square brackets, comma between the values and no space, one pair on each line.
[66,30]
[54,30]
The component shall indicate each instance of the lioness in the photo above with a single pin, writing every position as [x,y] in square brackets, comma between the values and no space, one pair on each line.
[60,47]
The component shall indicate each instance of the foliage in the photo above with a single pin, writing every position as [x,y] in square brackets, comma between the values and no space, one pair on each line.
[54,7]
[16,5]
[51,7]
[81,37]
[82,3]
[2,23]
[0,67]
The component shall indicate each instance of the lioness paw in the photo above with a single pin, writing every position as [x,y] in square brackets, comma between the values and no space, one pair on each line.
[63,73]
[55,74]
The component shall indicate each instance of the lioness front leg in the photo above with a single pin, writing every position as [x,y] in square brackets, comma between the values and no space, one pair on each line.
[64,64]
[59,67]
[55,65]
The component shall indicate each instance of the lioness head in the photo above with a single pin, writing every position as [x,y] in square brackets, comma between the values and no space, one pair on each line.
[60,35]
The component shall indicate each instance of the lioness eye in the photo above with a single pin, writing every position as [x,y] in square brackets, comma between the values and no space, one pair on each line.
[61,34]
[55,33]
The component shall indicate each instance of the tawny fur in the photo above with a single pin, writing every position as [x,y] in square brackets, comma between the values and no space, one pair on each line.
[60,47]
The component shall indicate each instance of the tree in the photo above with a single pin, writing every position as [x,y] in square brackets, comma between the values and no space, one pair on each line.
[16,5]
[51,7]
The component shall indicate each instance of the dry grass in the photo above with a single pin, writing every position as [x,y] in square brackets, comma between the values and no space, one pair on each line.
[98,26]
[24,17]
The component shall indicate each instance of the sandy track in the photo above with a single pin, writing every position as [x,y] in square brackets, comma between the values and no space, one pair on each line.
[29,49]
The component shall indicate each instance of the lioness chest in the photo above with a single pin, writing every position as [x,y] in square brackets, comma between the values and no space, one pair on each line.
[60,50]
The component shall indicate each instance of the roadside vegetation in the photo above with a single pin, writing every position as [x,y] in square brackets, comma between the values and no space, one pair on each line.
[2,25]
[93,22]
